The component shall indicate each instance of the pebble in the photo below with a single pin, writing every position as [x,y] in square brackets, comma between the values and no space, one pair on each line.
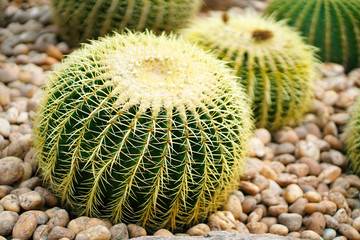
[11,203]
[316,222]
[25,226]
[41,232]
[233,205]
[329,234]
[31,201]
[263,135]
[198,230]
[286,134]
[308,234]
[11,170]
[8,220]
[349,232]
[7,75]
[60,218]
[119,232]
[4,127]
[279,229]
[163,232]
[60,232]
[308,149]
[136,231]
[292,221]
[292,193]
[257,227]
[94,233]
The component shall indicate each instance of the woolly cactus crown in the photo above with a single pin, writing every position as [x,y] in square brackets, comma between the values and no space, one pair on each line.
[273,63]
[80,20]
[331,25]
[143,129]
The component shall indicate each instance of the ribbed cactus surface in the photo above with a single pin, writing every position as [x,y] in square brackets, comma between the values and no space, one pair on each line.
[353,138]
[331,25]
[275,66]
[81,20]
[142,129]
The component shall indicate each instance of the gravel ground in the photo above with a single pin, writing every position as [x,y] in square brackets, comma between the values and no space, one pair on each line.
[296,183]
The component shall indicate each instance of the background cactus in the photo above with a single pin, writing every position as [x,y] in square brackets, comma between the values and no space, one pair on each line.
[142,129]
[275,66]
[80,20]
[353,138]
[331,25]
[2,13]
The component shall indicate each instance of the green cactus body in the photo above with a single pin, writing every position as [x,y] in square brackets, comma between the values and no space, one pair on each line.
[81,20]
[353,138]
[277,69]
[143,129]
[331,25]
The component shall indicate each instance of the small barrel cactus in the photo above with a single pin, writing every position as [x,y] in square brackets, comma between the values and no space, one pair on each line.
[277,69]
[142,129]
[80,20]
[331,25]
[353,138]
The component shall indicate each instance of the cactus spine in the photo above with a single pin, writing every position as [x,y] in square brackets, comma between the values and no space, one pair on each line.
[81,20]
[331,25]
[277,69]
[353,138]
[143,129]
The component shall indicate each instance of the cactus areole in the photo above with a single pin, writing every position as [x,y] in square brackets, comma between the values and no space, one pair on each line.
[142,129]
[275,66]
[331,25]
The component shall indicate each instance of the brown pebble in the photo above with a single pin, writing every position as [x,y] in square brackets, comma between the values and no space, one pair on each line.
[314,167]
[260,181]
[50,199]
[292,221]
[198,230]
[31,182]
[8,220]
[52,51]
[298,206]
[341,216]
[11,203]
[249,188]
[256,215]
[299,169]
[119,232]
[164,232]
[11,171]
[60,218]
[257,227]
[294,234]
[285,179]
[97,232]
[349,232]
[329,174]
[263,134]
[269,197]
[19,191]
[241,227]
[25,226]
[308,234]
[223,219]
[78,224]
[313,196]
[4,190]
[249,204]
[285,159]
[136,231]
[279,230]
[292,193]
[41,217]
[315,207]
[41,232]
[268,172]
[59,232]
[316,222]
[286,134]
[233,205]
[31,201]
[277,210]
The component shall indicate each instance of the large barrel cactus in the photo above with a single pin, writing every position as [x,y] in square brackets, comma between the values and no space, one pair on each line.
[353,138]
[81,20]
[331,25]
[142,129]
[276,67]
